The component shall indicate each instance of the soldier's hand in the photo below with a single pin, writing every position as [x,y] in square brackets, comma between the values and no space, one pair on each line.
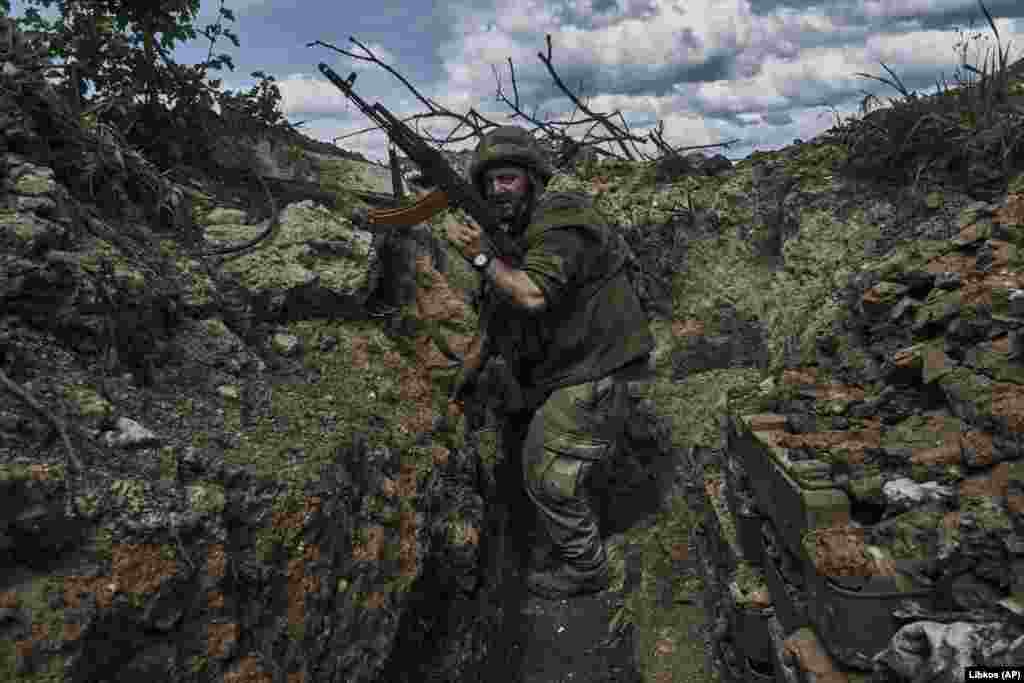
[468,239]
[465,386]
[454,413]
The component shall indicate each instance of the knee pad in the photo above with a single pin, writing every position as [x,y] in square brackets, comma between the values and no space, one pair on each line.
[561,478]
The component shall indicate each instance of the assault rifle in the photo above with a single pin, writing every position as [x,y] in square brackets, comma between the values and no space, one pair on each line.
[453,190]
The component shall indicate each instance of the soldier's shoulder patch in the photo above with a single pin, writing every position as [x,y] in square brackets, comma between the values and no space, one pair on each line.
[558,201]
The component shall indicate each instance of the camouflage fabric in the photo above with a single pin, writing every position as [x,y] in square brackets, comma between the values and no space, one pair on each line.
[572,361]
[593,322]
[575,428]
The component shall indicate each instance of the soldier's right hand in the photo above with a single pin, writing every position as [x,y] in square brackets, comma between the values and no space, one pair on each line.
[466,384]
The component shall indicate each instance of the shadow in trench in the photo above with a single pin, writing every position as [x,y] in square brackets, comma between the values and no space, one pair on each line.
[504,633]
[556,641]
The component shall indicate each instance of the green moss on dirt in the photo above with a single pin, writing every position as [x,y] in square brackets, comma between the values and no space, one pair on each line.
[711,279]
[750,585]
[271,536]
[197,286]
[52,670]
[34,185]
[168,464]
[361,398]
[914,533]
[16,472]
[337,175]
[129,493]
[207,497]
[356,397]
[1015,472]
[802,302]
[669,641]
[989,515]
[998,366]
[88,402]
[715,490]
[867,488]
[815,164]
[297,632]
[963,385]
[34,596]
[920,432]
[911,256]
[691,404]
[88,505]
[798,302]
[103,544]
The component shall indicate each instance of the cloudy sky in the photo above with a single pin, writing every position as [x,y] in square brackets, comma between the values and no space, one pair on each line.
[762,71]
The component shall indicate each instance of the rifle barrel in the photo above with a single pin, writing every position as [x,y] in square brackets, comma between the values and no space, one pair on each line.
[431,162]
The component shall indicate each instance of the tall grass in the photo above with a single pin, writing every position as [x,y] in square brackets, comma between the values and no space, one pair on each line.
[979,98]
[950,132]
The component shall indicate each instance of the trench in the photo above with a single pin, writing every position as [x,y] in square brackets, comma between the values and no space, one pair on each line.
[501,632]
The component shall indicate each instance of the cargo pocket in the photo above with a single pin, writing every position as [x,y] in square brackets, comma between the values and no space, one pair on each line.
[579,447]
[564,478]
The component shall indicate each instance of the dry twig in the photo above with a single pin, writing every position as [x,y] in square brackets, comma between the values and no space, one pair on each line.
[554,130]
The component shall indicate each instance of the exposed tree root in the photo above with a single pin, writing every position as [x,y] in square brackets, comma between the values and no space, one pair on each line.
[275,220]
[70,457]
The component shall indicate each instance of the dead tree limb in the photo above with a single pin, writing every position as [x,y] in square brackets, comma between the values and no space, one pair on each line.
[657,138]
[550,128]
[70,459]
[612,128]
[272,223]
[555,132]
[472,120]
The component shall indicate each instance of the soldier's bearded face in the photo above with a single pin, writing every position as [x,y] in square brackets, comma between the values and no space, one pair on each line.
[508,190]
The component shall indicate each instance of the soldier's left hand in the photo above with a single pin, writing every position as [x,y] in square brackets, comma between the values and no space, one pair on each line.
[467,238]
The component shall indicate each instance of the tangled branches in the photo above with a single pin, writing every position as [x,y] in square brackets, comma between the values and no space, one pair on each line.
[554,133]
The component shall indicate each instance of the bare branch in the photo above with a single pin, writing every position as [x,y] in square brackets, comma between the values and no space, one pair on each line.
[432,106]
[575,100]
[373,128]
[552,132]
[70,459]
[515,88]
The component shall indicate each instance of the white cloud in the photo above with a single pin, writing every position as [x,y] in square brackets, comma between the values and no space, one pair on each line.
[379,51]
[736,97]
[682,129]
[525,16]
[301,93]
[784,63]
[883,9]
[372,145]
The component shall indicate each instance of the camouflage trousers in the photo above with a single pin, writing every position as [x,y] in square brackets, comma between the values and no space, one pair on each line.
[560,441]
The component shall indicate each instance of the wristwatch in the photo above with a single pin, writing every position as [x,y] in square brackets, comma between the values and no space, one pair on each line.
[481,260]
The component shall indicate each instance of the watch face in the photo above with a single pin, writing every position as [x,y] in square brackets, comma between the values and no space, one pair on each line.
[480,260]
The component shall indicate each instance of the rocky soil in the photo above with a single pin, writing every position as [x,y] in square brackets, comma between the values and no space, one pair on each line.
[230,467]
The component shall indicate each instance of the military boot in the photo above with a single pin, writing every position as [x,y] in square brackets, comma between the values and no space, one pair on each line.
[560,580]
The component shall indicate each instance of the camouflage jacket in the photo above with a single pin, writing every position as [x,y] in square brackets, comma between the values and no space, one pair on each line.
[593,322]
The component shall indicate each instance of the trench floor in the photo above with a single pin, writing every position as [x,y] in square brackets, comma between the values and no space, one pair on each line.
[577,639]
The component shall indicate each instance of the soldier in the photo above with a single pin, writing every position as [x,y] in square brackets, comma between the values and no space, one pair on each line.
[573,335]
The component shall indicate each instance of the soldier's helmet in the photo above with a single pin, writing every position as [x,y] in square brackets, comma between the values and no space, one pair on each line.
[509,145]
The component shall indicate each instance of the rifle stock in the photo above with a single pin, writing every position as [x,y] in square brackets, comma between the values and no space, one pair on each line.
[453,189]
